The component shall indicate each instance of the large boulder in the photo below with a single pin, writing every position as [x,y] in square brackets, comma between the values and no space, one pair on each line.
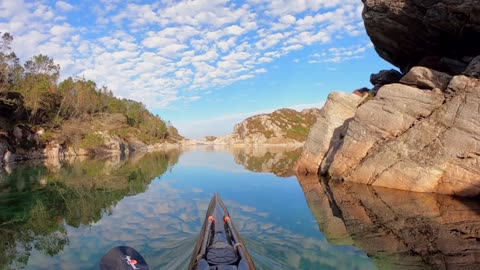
[422,134]
[473,70]
[395,109]
[416,139]
[439,152]
[385,77]
[406,31]
[425,78]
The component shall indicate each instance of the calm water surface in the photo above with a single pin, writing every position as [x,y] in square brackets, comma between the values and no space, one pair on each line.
[67,215]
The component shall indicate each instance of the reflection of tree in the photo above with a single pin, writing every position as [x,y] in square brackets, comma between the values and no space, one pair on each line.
[36,203]
[277,160]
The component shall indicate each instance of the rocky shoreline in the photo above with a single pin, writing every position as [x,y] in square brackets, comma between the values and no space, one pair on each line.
[418,130]
[112,146]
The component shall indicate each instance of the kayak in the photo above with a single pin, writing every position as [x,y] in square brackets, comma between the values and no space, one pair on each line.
[219,246]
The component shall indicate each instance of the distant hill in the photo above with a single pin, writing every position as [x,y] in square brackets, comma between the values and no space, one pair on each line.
[284,126]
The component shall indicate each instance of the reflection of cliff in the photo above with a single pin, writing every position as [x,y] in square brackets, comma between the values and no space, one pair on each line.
[277,160]
[278,247]
[36,203]
[400,230]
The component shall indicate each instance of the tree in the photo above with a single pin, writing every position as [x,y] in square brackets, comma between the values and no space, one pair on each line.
[10,68]
[39,84]
[80,96]
[43,65]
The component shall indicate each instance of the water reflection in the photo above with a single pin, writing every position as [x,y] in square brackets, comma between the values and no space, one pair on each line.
[66,215]
[398,229]
[279,160]
[38,203]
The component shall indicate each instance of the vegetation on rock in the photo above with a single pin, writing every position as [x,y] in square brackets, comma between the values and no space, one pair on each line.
[280,126]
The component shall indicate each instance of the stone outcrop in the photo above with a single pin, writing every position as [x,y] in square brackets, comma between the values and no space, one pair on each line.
[284,126]
[385,77]
[422,134]
[406,31]
[328,130]
[397,229]
[427,142]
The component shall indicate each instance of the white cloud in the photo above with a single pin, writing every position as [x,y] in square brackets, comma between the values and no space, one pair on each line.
[62,5]
[340,54]
[288,19]
[158,52]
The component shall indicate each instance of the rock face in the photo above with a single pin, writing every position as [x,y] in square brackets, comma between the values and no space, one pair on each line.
[406,31]
[328,130]
[284,126]
[424,136]
[427,141]
[397,229]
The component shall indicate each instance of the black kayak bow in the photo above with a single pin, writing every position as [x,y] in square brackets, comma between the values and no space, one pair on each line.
[123,258]
[219,246]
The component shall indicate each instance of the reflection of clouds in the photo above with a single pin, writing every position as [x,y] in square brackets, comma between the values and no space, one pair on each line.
[163,223]
[220,161]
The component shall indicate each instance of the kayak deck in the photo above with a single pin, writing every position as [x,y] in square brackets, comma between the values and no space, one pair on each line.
[219,246]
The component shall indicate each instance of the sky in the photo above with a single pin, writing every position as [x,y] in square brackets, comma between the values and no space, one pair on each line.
[203,65]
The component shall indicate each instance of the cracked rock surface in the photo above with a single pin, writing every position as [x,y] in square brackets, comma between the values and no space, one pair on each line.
[424,136]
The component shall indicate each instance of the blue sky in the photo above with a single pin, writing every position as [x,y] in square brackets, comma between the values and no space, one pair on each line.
[204,65]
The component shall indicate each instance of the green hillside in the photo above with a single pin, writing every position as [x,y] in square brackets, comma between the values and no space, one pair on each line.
[70,112]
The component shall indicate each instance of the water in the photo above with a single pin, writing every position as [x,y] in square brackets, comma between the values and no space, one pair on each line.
[68,215]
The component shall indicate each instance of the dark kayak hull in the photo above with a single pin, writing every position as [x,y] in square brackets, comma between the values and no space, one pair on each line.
[219,245]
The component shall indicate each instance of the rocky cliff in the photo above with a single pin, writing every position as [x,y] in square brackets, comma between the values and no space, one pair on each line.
[419,131]
[284,126]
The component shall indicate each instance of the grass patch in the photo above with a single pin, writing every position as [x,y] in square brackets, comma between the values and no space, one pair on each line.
[92,140]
